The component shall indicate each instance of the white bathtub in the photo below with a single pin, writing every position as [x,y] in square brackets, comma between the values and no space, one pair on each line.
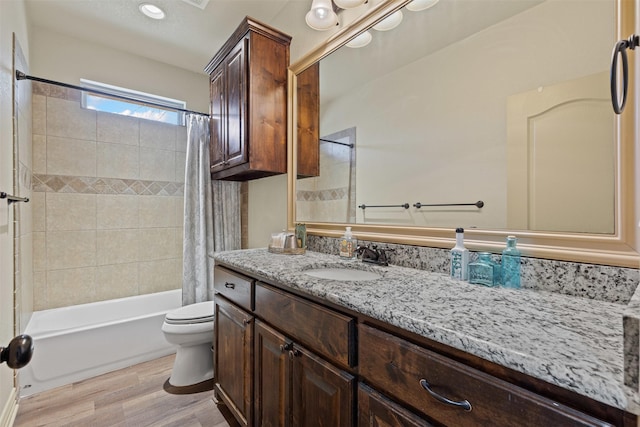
[79,342]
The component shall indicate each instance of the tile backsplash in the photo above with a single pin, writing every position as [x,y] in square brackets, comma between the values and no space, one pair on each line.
[605,283]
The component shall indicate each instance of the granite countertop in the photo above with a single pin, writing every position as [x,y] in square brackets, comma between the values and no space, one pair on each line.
[575,343]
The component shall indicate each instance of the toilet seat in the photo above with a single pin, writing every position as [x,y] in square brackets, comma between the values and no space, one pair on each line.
[201,312]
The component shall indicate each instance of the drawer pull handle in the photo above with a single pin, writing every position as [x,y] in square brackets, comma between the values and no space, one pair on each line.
[464,404]
[286,346]
[229,285]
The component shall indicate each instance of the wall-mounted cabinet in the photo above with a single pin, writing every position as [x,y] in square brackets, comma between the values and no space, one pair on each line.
[308,110]
[248,90]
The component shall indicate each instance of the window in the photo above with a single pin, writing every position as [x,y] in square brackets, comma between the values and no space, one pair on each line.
[137,106]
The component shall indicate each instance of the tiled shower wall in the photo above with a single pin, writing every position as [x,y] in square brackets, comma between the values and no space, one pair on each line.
[330,196]
[107,202]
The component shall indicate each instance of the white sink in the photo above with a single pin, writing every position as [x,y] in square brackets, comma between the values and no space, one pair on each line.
[344,274]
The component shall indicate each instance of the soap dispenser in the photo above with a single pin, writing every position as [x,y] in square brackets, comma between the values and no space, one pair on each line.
[511,264]
[347,245]
[459,257]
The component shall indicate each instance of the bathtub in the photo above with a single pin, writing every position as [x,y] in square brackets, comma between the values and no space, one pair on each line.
[79,342]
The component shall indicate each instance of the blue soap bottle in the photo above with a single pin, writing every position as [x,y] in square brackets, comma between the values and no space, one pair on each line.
[511,264]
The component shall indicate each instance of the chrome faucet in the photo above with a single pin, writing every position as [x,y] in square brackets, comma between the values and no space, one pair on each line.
[373,255]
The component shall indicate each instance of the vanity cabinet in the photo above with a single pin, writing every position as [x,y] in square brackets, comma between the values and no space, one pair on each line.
[295,387]
[376,410]
[233,343]
[248,94]
[285,359]
[451,393]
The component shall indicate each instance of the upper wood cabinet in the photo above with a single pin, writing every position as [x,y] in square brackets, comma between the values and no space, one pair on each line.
[248,89]
[308,128]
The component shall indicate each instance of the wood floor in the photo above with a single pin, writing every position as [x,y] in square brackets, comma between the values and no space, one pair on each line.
[130,397]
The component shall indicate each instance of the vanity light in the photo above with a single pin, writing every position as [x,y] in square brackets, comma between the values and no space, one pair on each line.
[349,4]
[390,22]
[152,11]
[417,5]
[361,40]
[321,16]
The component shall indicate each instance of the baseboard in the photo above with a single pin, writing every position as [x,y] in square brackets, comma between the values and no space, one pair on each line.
[10,410]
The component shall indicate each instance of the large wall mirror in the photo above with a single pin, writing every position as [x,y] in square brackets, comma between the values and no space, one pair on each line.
[490,115]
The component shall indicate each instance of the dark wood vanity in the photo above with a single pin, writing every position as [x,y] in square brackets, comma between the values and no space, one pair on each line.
[283,357]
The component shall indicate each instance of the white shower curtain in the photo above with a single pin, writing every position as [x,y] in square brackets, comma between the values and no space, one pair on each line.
[202,234]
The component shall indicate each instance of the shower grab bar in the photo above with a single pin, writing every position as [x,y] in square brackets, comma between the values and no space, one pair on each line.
[477,204]
[11,199]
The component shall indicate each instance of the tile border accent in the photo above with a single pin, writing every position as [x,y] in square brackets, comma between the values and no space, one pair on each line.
[96,185]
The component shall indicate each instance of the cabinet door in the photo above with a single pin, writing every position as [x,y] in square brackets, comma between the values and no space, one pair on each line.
[272,377]
[308,91]
[375,410]
[322,395]
[236,84]
[217,145]
[234,359]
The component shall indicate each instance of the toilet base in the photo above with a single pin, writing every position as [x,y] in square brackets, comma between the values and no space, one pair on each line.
[193,365]
[189,389]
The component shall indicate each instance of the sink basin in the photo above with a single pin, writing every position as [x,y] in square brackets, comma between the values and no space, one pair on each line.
[345,274]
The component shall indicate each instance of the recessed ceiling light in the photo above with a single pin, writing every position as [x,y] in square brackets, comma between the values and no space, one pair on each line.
[152,11]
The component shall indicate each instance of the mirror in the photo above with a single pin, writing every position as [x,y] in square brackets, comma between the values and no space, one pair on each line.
[472,101]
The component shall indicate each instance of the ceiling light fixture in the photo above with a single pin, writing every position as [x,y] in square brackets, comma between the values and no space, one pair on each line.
[417,5]
[361,40]
[152,11]
[349,4]
[321,16]
[390,22]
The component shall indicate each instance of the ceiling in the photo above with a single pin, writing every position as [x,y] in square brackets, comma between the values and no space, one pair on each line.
[187,38]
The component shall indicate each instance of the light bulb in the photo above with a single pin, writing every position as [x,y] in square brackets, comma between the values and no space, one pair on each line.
[417,5]
[390,22]
[361,40]
[348,4]
[321,16]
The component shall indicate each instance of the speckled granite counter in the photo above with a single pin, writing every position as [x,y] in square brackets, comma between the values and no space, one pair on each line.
[575,343]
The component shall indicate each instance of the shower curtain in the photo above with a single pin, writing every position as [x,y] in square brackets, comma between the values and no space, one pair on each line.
[211,215]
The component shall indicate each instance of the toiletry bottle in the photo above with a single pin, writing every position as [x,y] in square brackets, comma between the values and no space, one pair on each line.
[347,245]
[511,264]
[459,257]
[484,271]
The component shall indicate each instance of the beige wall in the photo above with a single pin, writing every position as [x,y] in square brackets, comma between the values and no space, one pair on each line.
[107,202]
[12,19]
[62,58]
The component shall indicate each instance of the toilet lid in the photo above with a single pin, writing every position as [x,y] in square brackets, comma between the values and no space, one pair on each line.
[193,313]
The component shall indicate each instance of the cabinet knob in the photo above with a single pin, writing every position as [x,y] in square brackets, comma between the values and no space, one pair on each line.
[294,353]
[463,404]
[286,346]
[246,321]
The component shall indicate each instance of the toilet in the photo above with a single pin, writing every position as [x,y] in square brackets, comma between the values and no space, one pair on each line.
[191,329]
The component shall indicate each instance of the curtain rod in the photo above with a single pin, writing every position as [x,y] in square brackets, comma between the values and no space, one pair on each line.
[22,76]
[336,142]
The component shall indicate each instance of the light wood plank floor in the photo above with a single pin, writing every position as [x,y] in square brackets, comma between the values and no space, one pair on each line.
[130,397]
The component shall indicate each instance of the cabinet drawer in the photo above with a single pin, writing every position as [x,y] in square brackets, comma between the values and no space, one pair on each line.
[400,369]
[328,333]
[235,287]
